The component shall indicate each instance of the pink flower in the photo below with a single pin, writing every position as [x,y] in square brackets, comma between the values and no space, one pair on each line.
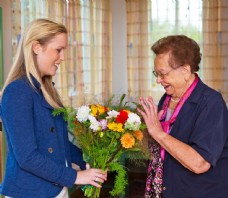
[103,124]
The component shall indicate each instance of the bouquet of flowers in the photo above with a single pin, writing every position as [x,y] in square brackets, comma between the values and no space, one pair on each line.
[105,133]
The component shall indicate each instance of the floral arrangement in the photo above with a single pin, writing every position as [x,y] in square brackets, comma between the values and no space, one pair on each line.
[105,133]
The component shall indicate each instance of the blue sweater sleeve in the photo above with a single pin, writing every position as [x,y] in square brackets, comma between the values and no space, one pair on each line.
[17,116]
[76,156]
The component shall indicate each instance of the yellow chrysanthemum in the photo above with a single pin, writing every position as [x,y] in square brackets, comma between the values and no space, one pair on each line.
[94,110]
[115,126]
[97,109]
[101,109]
[127,140]
[138,135]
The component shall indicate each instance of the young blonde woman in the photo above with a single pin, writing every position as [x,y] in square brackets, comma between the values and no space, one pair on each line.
[39,153]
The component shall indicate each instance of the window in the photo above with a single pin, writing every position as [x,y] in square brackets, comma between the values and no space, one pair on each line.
[86,73]
[175,17]
[148,21]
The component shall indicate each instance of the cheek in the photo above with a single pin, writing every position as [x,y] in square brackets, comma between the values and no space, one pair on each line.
[169,81]
[174,83]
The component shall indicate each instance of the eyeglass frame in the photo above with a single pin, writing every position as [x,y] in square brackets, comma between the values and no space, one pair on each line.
[162,76]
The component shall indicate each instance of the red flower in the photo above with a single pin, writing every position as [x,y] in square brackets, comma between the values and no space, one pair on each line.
[122,117]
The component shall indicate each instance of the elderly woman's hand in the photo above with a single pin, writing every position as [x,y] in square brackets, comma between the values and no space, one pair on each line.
[151,116]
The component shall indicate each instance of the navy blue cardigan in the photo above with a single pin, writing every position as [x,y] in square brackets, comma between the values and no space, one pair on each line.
[38,145]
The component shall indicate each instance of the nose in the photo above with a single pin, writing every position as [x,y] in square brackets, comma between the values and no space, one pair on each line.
[62,55]
[159,79]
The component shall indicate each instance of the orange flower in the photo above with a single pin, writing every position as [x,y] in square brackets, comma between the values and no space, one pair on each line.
[127,140]
[138,135]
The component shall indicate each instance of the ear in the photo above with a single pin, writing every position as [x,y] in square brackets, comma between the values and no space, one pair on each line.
[36,47]
[186,71]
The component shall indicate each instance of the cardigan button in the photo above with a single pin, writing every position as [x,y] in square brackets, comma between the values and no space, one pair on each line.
[164,188]
[52,129]
[50,150]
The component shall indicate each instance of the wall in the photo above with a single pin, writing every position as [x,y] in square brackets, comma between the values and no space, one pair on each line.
[119,43]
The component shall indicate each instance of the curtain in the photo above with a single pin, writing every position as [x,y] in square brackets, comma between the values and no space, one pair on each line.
[85,75]
[215,45]
[93,53]
[138,48]
[148,21]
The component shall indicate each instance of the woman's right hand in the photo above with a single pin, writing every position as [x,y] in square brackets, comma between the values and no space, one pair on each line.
[91,176]
[151,116]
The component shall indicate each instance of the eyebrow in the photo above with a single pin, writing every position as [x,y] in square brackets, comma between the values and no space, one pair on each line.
[162,70]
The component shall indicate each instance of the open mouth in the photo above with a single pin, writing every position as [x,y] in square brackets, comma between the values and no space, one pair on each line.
[166,87]
[57,65]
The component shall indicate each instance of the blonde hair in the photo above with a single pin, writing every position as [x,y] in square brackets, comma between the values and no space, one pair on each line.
[41,30]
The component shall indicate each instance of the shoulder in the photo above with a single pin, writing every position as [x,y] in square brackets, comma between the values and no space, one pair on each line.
[18,90]
[208,98]
[209,94]
[19,87]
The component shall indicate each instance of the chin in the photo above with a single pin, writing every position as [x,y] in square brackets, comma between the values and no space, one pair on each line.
[167,92]
[53,73]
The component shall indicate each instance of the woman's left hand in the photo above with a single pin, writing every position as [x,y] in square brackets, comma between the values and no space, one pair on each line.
[151,116]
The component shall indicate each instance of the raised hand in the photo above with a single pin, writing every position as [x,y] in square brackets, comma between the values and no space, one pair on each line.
[150,115]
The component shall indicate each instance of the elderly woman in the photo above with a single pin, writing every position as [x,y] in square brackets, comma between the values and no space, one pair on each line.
[189,128]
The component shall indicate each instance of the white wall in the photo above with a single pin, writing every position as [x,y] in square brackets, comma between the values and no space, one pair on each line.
[7,38]
[119,43]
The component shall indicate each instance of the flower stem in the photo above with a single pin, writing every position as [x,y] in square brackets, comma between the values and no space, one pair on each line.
[114,154]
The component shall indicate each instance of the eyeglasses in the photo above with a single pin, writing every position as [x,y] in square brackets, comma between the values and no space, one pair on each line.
[161,75]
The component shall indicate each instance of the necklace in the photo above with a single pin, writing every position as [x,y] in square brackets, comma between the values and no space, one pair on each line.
[175,100]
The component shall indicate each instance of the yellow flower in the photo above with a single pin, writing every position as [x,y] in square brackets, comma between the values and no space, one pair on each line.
[94,110]
[127,140]
[115,126]
[138,135]
[97,109]
[101,109]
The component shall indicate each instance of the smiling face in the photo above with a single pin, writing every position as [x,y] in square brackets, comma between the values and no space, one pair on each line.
[50,55]
[172,79]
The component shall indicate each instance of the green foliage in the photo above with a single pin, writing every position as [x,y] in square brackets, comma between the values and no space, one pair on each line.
[120,178]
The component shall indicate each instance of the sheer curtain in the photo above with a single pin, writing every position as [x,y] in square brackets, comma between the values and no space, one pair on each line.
[148,21]
[138,48]
[215,45]
[93,54]
[86,73]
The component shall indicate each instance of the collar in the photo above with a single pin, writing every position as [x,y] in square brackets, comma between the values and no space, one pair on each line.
[197,92]
[34,81]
